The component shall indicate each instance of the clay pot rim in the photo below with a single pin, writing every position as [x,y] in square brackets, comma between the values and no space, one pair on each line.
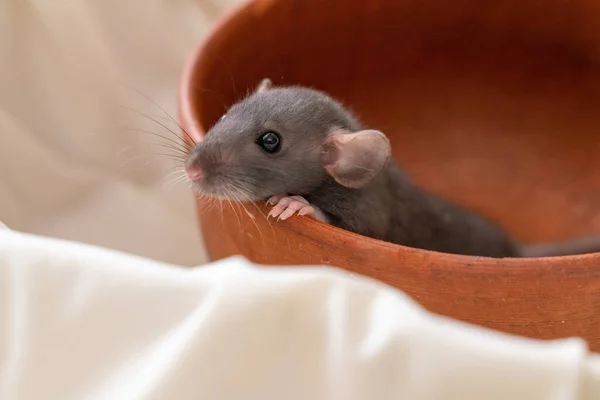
[193,126]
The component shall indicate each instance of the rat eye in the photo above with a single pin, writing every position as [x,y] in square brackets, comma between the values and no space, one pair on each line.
[269,141]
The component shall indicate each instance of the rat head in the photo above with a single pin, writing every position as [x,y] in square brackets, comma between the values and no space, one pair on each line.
[284,140]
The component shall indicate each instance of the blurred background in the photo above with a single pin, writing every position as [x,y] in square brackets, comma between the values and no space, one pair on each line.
[78,81]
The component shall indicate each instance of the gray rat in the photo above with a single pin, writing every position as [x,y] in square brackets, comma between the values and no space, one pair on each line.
[304,152]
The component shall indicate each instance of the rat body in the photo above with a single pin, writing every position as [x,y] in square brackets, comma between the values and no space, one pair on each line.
[305,153]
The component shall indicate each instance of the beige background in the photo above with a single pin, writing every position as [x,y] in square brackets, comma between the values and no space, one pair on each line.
[70,164]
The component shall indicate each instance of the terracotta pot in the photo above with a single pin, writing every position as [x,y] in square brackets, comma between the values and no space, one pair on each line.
[494,105]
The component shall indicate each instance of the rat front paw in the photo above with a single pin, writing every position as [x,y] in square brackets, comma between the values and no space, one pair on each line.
[285,207]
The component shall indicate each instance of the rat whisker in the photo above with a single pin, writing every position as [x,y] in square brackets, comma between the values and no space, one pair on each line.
[171,147]
[134,159]
[229,194]
[180,144]
[205,203]
[153,119]
[166,113]
[201,202]
[242,193]
[220,201]
[216,203]
[176,170]
[178,179]
[259,211]
[179,176]
[151,157]
[178,156]
[170,185]
[172,156]
[250,215]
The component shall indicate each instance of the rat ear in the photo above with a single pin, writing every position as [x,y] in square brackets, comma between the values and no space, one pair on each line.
[354,159]
[264,85]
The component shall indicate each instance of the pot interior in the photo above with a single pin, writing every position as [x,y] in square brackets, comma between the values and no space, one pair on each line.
[493,105]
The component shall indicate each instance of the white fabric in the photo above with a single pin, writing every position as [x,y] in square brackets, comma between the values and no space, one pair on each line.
[80,322]
[70,167]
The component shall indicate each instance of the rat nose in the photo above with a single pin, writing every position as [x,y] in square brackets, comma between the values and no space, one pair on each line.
[194,173]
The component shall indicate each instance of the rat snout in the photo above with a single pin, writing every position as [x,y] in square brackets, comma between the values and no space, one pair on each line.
[202,165]
[195,168]
[194,172]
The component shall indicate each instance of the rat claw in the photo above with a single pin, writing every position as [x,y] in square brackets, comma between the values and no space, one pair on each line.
[288,212]
[277,210]
[308,210]
[273,200]
[273,213]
